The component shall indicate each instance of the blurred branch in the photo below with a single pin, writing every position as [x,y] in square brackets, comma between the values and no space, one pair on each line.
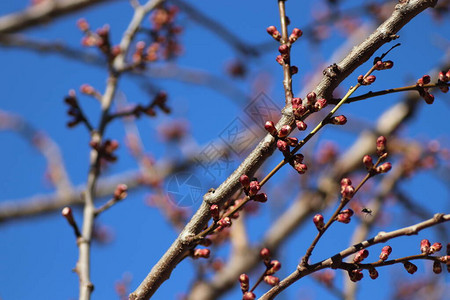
[42,13]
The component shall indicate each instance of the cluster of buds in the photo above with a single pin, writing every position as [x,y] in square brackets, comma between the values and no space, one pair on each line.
[360,256]
[366,80]
[165,33]
[345,216]
[313,103]
[297,163]
[272,266]
[381,152]
[160,101]
[385,252]
[318,221]
[142,54]
[251,189]
[423,92]
[444,78]
[410,267]
[99,38]
[283,141]
[106,150]
[355,275]
[384,65]
[347,190]
[201,253]
[74,110]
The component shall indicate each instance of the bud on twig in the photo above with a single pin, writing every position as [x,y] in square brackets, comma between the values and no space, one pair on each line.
[385,252]
[361,255]
[424,246]
[410,267]
[318,221]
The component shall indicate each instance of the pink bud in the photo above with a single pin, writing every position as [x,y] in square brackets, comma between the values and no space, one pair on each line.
[381,145]
[120,192]
[245,181]
[320,103]
[67,213]
[370,79]
[435,248]
[270,127]
[296,33]
[82,24]
[284,131]
[248,296]
[311,97]
[318,221]
[429,98]
[345,216]
[244,281]
[284,49]
[425,246]
[385,252]
[301,125]
[265,253]
[275,267]
[283,146]
[279,59]
[271,280]
[224,222]
[301,168]
[214,210]
[384,168]
[361,255]
[254,188]
[367,160]
[339,120]
[345,181]
[348,192]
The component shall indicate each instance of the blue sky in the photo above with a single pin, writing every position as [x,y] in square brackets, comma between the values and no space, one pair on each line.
[39,253]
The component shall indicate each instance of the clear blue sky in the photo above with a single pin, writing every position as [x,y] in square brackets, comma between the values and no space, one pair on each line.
[37,254]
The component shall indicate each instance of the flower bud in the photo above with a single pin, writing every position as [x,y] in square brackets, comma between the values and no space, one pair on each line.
[254,188]
[272,30]
[294,70]
[82,24]
[279,59]
[373,273]
[270,127]
[381,145]
[249,296]
[296,33]
[361,255]
[292,141]
[410,267]
[429,98]
[301,125]
[385,252]
[345,181]
[284,49]
[214,210]
[120,191]
[345,216]
[437,268]
[435,248]
[201,253]
[271,280]
[245,181]
[348,192]
[244,281]
[284,131]
[355,275]
[275,267]
[339,120]
[311,98]
[283,146]
[425,246]
[264,253]
[368,162]
[384,168]
[320,103]
[318,221]
[260,198]
[224,222]
[67,213]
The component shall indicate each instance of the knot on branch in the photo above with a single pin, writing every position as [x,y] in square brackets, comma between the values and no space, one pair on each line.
[332,71]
